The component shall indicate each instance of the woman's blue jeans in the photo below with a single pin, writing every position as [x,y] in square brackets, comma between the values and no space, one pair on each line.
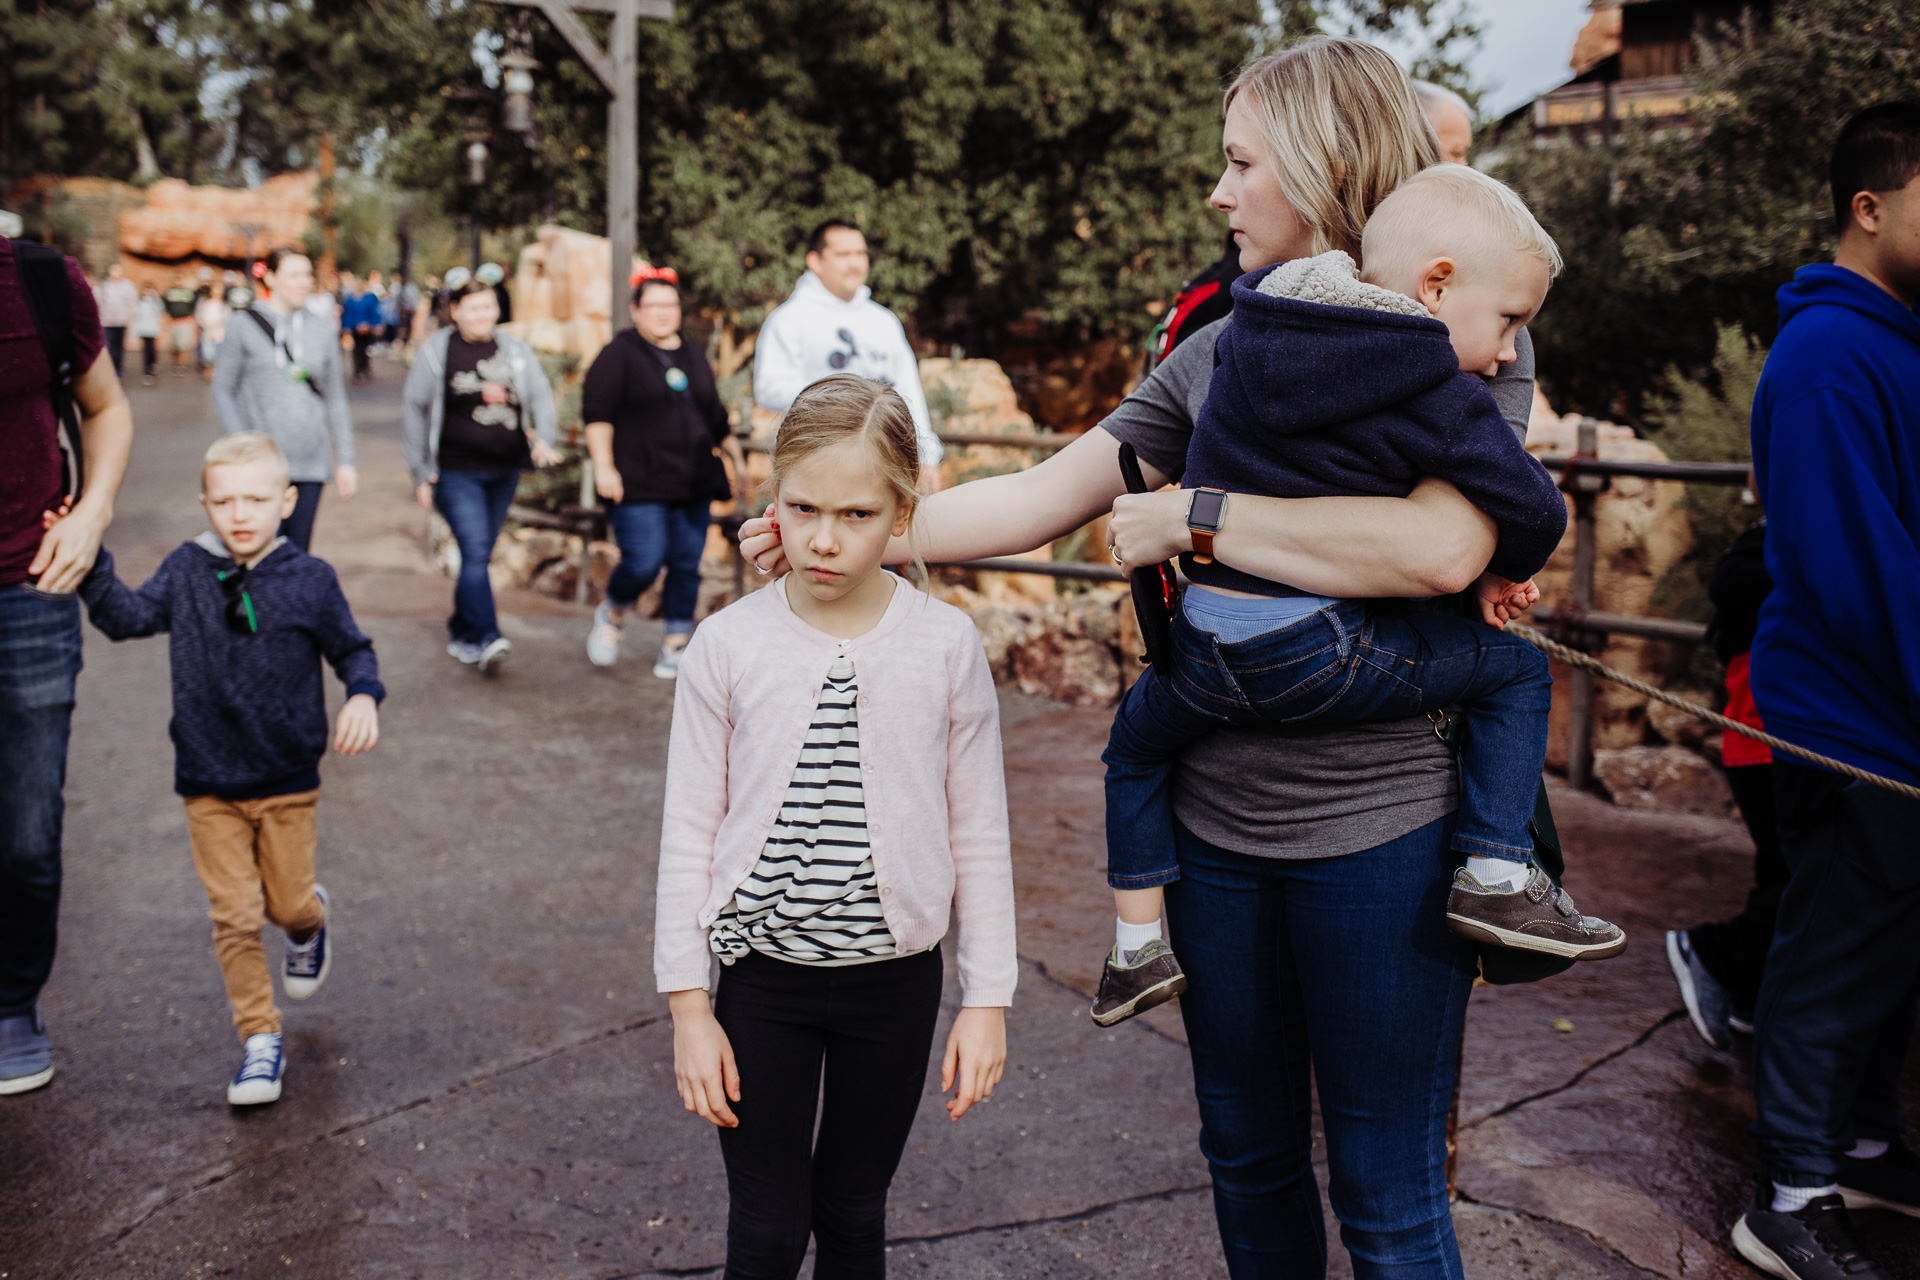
[475,504]
[652,534]
[1340,973]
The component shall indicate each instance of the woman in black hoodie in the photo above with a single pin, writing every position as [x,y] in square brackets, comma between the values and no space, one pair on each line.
[653,419]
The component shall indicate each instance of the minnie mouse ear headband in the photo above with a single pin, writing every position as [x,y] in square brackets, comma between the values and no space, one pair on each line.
[649,274]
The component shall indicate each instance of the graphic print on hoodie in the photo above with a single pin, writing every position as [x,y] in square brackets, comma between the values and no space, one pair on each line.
[813,335]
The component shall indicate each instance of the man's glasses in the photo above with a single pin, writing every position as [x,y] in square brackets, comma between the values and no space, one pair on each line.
[240,615]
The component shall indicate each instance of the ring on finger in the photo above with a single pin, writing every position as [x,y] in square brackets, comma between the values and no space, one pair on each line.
[757,569]
[1115,553]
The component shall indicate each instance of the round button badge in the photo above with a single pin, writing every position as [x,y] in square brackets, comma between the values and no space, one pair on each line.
[677,379]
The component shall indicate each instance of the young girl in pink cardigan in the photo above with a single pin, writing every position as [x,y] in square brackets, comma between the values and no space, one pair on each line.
[834,792]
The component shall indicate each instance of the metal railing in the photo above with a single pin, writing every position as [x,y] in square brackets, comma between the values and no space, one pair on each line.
[1584,475]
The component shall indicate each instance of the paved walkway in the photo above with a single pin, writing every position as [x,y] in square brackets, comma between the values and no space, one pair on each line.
[484,1088]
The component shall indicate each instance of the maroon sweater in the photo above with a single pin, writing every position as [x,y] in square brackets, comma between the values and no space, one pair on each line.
[31,478]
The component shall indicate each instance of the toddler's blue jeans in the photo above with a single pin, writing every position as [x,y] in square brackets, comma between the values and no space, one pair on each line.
[1353,661]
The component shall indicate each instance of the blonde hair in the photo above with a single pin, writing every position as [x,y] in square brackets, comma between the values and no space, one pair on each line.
[245,446]
[845,407]
[1450,210]
[1343,127]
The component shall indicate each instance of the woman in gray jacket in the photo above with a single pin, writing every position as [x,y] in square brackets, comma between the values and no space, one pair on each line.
[278,371]
[478,408]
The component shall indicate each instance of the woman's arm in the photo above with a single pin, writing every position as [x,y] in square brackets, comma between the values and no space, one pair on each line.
[1431,542]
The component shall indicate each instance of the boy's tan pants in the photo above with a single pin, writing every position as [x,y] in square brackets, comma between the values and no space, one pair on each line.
[256,859]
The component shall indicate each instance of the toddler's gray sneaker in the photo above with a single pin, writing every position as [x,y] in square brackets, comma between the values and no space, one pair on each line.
[1538,916]
[1135,981]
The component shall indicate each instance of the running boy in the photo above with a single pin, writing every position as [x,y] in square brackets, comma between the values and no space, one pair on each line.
[1332,384]
[250,616]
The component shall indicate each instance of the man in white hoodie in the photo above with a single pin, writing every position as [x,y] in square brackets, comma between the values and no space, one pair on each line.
[830,324]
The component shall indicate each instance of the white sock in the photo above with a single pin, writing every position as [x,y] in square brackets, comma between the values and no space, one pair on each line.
[1132,937]
[1497,873]
[1794,1199]
[1869,1149]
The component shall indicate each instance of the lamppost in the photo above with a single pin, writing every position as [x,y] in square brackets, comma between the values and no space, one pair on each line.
[617,67]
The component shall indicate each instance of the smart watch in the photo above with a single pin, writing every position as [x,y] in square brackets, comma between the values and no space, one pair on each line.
[1204,511]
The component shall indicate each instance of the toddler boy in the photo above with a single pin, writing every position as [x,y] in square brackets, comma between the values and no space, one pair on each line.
[250,616]
[1329,383]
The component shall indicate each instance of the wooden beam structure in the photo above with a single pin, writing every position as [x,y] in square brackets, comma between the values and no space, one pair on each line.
[617,68]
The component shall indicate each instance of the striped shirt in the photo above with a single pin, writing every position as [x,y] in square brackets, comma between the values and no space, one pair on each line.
[813,896]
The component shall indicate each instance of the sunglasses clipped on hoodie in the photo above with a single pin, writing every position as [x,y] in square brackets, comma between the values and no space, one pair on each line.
[241,618]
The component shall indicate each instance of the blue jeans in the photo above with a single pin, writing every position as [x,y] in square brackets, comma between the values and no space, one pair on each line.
[1340,973]
[475,504]
[39,660]
[1348,663]
[651,534]
[1841,989]
[298,527]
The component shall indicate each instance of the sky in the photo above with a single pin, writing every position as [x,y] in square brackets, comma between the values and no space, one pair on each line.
[1524,48]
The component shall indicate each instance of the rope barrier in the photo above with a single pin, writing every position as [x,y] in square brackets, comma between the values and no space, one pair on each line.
[1573,657]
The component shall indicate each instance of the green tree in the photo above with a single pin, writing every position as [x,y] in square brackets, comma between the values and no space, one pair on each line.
[1670,233]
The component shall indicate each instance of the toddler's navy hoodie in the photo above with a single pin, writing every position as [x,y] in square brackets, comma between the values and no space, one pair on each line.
[249,708]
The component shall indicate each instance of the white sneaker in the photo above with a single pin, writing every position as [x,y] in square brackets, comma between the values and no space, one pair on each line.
[258,1079]
[308,963]
[493,653]
[667,664]
[603,642]
[467,653]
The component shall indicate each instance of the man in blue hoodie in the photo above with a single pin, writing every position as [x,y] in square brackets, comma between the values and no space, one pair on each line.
[1836,667]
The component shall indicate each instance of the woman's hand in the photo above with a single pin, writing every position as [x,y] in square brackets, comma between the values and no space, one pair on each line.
[607,483]
[358,727]
[347,479]
[976,1055]
[544,454]
[760,544]
[703,1066]
[424,494]
[1149,528]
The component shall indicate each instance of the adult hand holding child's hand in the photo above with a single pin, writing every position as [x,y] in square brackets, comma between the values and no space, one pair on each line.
[358,727]
[703,1066]
[975,1057]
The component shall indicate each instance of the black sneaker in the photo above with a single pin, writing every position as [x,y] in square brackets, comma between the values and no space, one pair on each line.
[1136,981]
[1816,1243]
[1705,998]
[1889,1181]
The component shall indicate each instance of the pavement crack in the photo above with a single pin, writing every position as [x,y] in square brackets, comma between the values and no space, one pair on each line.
[1598,1243]
[1581,1074]
[221,1173]
[938,1237]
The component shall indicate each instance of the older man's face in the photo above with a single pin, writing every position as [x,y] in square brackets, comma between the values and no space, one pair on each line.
[1454,129]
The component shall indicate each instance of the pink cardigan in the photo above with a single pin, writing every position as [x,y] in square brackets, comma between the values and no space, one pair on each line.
[930,750]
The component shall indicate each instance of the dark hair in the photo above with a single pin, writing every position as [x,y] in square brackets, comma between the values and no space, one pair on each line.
[1878,150]
[467,290]
[277,256]
[817,238]
[653,282]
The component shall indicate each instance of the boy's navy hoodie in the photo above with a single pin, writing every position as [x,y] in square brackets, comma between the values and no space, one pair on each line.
[1363,397]
[249,709]
[1836,454]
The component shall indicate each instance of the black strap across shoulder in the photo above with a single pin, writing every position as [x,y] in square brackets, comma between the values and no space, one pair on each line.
[43,278]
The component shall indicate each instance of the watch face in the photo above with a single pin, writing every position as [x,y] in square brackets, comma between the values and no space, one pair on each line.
[1206,508]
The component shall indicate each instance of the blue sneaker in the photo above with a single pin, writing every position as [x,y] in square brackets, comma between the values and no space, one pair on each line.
[308,962]
[1705,998]
[258,1079]
[26,1055]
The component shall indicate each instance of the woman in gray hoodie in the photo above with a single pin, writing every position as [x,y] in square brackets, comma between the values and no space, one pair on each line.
[278,371]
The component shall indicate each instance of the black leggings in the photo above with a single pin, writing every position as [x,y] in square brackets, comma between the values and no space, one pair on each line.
[871,1026]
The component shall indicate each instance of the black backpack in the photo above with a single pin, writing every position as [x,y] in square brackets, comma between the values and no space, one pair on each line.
[43,278]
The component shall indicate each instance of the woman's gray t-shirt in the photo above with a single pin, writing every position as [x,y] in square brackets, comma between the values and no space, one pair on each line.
[1280,794]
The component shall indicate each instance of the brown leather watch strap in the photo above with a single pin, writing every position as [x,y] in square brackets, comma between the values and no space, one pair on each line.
[1202,545]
